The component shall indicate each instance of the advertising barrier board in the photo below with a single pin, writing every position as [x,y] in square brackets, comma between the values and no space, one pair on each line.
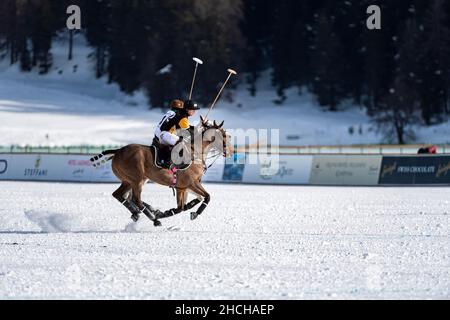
[345,170]
[288,169]
[5,162]
[35,167]
[415,170]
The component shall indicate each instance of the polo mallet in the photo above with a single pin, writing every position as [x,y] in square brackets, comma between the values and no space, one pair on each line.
[197,62]
[231,72]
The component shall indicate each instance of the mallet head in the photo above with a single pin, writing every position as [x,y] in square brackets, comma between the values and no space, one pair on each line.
[232,71]
[197,60]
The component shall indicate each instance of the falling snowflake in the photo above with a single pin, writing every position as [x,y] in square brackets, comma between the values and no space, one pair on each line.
[165,70]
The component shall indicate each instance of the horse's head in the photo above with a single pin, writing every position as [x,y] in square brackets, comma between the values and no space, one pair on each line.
[214,136]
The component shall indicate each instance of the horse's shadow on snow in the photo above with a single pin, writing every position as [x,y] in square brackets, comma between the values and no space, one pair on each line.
[74,232]
[51,223]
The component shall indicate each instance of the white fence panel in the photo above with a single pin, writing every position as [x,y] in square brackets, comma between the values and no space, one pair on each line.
[5,163]
[291,169]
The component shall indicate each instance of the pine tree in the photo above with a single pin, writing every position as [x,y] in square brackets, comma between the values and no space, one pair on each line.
[408,64]
[127,50]
[184,29]
[215,36]
[349,23]
[4,21]
[97,17]
[434,59]
[39,19]
[60,16]
[8,29]
[327,63]
[257,27]
[282,76]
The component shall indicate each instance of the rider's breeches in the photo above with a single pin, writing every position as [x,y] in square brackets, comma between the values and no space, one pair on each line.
[165,137]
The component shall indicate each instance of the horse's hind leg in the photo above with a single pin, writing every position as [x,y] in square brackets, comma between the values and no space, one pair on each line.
[142,206]
[121,195]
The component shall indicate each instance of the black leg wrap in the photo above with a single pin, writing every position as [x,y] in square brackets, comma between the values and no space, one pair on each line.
[135,211]
[151,213]
[191,204]
[168,213]
[154,211]
[200,209]
[131,207]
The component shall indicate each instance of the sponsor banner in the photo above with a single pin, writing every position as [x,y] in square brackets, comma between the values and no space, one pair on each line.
[345,170]
[415,170]
[215,172]
[233,169]
[233,172]
[5,163]
[77,168]
[103,174]
[46,167]
[279,169]
[35,167]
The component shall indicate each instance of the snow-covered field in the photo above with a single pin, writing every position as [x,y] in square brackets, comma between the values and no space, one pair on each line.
[252,242]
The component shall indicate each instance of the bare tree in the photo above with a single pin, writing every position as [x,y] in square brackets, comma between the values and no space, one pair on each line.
[397,114]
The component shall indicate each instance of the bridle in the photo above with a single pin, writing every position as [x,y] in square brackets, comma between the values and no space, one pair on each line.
[205,126]
[216,155]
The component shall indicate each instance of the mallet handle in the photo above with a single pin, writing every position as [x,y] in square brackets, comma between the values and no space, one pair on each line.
[218,95]
[193,80]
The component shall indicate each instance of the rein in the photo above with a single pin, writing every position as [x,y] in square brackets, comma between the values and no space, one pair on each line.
[215,156]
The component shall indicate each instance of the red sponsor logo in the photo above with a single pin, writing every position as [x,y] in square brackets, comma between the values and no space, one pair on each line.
[86,163]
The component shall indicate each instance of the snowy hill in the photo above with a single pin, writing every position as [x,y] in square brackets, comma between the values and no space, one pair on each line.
[69,106]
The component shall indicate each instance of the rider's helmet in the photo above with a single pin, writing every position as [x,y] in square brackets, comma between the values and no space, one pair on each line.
[177,105]
[190,105]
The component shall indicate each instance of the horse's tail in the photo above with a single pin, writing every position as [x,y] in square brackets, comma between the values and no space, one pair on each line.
[103,157]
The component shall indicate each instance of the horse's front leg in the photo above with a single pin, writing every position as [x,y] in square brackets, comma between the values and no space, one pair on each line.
[192,203]
[178,209]
[198,189]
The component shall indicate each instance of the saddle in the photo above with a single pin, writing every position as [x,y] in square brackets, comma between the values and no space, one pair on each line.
[162,155]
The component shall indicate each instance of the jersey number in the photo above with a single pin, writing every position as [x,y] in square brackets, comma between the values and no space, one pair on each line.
[166,118]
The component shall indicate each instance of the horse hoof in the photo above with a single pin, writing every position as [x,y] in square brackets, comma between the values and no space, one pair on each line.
[194,215]
[135,217]
[157,223]
[158,214]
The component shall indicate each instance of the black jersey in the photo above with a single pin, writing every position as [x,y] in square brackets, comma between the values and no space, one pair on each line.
[173,120]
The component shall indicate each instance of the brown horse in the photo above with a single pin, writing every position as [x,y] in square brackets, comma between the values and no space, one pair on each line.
[135,164]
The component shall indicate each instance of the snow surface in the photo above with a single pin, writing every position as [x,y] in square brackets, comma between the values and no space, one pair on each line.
[252,242]
[70,107]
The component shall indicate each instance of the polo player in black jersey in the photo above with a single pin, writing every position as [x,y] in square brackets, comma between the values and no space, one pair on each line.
[176,118]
